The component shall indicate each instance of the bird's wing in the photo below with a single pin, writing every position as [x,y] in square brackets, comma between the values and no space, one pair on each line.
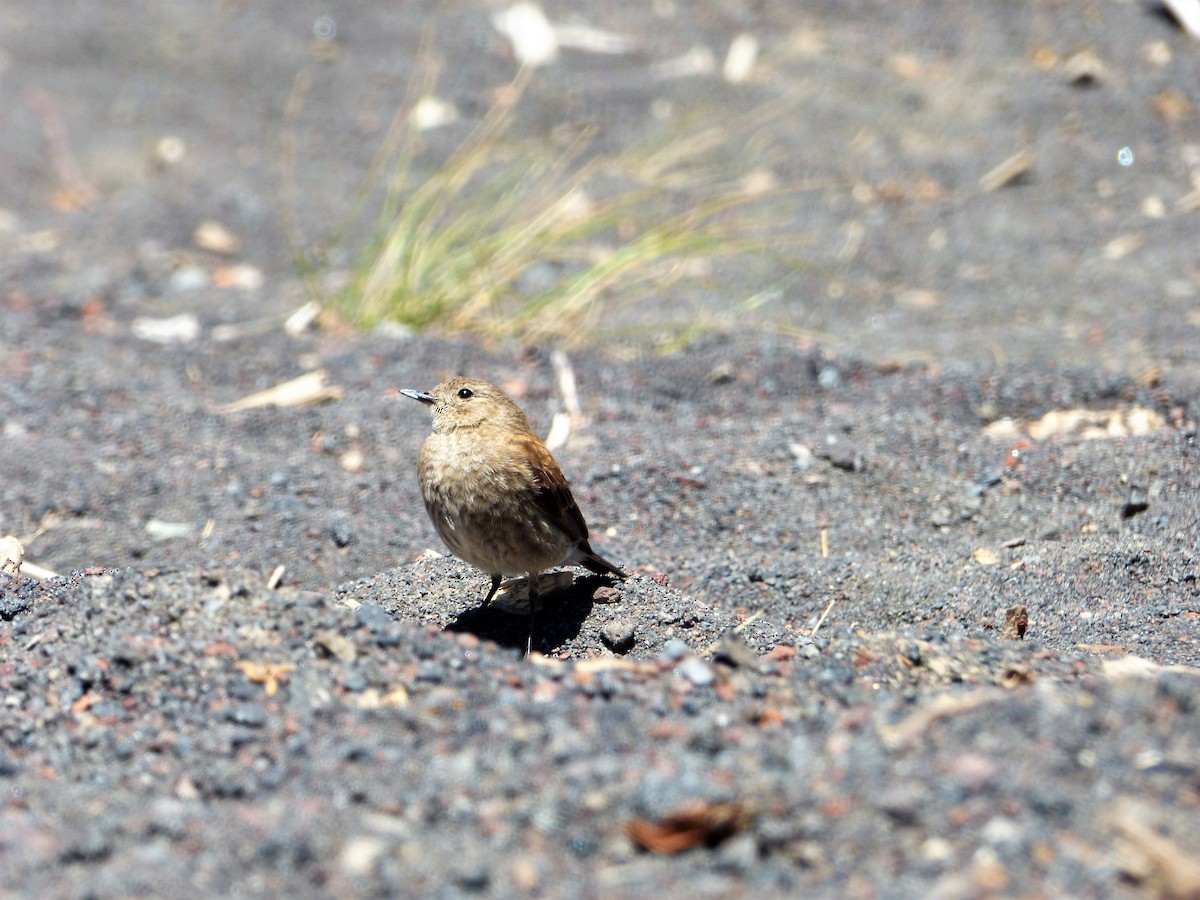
[555,498]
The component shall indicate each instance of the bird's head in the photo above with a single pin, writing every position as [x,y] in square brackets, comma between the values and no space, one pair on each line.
[470,403]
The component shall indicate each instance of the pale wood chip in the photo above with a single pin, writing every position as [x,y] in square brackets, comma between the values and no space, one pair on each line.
[1013,168]
[307,390]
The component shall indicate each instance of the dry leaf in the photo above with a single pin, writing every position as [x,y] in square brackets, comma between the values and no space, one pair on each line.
[1016,620]
[693,824]
[985,557]
[269,675]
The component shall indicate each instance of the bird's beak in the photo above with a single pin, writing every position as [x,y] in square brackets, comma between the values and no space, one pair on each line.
[423,396]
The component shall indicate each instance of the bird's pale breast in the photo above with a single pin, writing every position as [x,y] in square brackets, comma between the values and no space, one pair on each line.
[484,501]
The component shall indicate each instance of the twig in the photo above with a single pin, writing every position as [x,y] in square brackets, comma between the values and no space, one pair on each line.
[36,572]
[822,619]
[587,667]
[303,391]
[70,176]
[567,387]
[1013,168]
[1173,872]
[904,733]
[738,629]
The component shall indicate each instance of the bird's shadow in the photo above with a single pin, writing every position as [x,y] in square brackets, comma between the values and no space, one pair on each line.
[559,618]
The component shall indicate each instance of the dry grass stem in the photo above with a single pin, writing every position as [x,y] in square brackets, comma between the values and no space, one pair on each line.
[509,238]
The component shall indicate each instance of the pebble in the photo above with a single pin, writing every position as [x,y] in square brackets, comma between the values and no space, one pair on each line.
[188,278]
[606,594]
[342,534]
[11,607]
[248,714]
[618,635]
[697,671]
[675,649]
[734,651]
[372,616]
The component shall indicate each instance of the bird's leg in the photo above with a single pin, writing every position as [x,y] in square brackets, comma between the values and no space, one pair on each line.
[492,592]
[532,582]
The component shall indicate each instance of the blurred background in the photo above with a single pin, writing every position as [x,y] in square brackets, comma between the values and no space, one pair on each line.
[972,183]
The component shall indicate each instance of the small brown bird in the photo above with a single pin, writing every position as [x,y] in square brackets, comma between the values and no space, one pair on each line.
[494,492]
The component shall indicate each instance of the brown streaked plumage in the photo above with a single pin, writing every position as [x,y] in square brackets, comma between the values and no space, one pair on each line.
[494,491]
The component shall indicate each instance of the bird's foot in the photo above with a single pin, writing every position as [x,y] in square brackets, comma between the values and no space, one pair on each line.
[513,595]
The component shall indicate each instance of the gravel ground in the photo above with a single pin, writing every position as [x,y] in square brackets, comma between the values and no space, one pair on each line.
[893,627]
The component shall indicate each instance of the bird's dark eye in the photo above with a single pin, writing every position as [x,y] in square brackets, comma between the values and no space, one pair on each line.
[465,393]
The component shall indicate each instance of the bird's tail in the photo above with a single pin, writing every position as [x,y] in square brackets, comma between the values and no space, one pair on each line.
[594,562]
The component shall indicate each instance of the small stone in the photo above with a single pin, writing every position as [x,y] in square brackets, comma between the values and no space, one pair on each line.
[723,373]
[248,714]
[188,278]
[606,594]
[352,461]
[618,635]
[341,533]
[674,650]
[802,454]
[733,651]
[11,607]
[355,682]
[473,876]
[697,671]
[842,454]
[1085,69]
[165,531]
[1137,502]
[373,617]
[431,672]
[11,554]
[360,853]
[738,855]
[901,804]
[941,517]
[89,844]
[336,645]
[985,556]
[216,238]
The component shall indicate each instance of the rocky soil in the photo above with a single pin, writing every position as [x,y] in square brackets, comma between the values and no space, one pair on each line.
[913,606]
